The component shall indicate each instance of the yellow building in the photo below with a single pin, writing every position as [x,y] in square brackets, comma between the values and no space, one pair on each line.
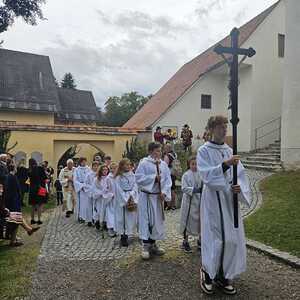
[45,121]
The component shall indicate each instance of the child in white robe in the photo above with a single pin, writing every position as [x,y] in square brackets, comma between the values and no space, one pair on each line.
[154,182]
[126,199]
[82,200]
[223,246]
[191,186]
[113,167]
[103,194]
[89,187]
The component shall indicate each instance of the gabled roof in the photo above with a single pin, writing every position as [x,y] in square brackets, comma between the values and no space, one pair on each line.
[186,77]
[77,105]
[27,82]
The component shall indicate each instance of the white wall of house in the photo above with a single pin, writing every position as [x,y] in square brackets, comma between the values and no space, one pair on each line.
[290,145]
[260,90]
[266,88]
[187,110]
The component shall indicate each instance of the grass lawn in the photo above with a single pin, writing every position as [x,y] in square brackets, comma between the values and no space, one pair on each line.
[18,264]
[277,222]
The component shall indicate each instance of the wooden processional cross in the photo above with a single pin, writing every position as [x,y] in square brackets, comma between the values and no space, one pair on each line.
[233,63]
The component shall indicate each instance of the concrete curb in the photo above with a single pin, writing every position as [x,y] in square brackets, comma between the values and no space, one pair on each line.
[285,257]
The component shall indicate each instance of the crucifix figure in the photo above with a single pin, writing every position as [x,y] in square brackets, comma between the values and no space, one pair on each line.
[235,51]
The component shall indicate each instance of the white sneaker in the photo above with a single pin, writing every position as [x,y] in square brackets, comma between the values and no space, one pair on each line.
[111,233]
[146,252]
[156,250]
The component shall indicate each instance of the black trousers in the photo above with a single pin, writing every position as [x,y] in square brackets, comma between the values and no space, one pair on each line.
[149,241]
[59,197]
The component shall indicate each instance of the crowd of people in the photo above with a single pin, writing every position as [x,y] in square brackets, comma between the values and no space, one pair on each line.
[124,199]
[14,183]
[170,136]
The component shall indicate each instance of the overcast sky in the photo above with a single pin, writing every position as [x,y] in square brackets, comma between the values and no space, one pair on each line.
[117,46]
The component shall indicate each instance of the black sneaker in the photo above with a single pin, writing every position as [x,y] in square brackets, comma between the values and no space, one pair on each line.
[32,222]
[186,247]
[104,226]
[67,214]
[39,222]
[199,245]
[124,240]
[90,224]
[206,283]
[97,225]
[225,286]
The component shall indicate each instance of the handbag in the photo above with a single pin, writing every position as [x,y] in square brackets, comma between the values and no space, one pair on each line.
[42,192]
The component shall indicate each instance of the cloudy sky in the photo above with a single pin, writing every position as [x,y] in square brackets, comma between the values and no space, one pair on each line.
[117,46]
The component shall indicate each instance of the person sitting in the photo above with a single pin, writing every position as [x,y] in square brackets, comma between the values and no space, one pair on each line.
[13,204]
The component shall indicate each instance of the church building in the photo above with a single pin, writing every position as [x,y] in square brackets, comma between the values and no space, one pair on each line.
[269,87]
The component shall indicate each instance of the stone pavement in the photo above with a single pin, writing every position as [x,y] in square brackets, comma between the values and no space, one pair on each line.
[66,238]
[78,263]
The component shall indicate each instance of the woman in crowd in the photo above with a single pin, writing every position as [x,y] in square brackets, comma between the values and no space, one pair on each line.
[22,174]
[37,190]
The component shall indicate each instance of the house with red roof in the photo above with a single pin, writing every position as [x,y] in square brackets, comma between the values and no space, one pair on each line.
[199,89]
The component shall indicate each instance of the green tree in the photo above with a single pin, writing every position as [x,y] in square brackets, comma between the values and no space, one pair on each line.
[118,110]
[28,10]
[4,139]
[135,150]
[68,81]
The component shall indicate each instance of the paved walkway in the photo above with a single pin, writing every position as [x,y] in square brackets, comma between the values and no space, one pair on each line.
[78,263]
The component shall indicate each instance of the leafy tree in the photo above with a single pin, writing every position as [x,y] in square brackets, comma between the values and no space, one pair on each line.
[135,150]
[28,10]
[68,81]
[118,110]
[69,154]
[4,139]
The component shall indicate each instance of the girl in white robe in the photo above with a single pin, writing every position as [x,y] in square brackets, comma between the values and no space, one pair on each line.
[112,205]
[103,195]
[223,245]
[191,186]
[151,194]
[89,187]
[82,200]
[126,199]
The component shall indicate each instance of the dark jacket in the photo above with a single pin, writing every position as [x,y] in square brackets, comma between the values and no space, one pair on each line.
[13,193]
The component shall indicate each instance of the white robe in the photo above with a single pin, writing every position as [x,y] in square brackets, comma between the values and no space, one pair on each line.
[80,175]
[90,203]
[125,187]
[150,206]
[68,188]
[190,205]
[103,195]
[232,253]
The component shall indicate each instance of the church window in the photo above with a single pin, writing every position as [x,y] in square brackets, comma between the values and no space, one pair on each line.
[281,42]
[205,101]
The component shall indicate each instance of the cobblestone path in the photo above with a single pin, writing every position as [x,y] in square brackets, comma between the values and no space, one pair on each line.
[76,262]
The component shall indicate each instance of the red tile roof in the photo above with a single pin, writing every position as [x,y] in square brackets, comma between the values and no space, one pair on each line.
[186,76]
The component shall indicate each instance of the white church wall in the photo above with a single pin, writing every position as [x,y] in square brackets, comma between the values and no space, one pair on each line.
[260,90]
[267,75]
[290,147]
[187,109]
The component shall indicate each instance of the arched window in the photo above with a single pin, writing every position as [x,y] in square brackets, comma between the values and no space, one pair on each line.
[20,156]
[37,156]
